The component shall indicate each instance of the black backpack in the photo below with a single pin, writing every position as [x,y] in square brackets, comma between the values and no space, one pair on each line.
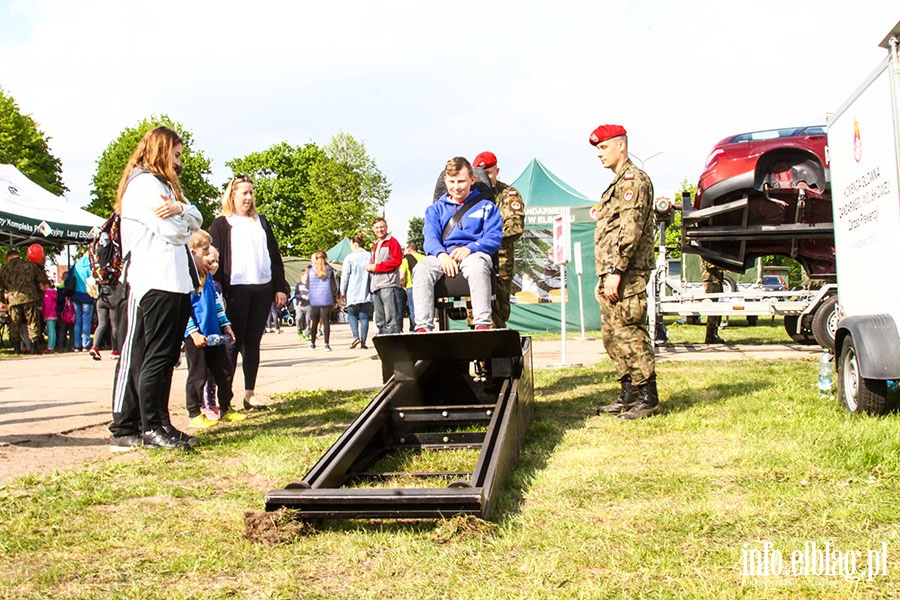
[105,252]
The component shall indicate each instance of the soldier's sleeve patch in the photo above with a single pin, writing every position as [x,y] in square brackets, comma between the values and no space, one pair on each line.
[628,176]
[628,195]
[515,204]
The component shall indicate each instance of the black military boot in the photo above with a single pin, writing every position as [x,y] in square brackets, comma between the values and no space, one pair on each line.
[712,330]
[627,398]
[647,401]
[713,338]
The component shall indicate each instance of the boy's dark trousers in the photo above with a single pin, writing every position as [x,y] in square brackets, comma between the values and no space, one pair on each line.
[212,359]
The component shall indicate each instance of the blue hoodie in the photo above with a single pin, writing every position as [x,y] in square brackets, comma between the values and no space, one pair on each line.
[480,229]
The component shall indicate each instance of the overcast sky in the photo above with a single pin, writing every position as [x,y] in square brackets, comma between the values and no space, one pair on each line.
[419,82]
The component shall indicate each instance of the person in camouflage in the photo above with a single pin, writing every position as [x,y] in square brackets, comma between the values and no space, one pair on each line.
[512,211]
[712,284]
[23,284]
[624,254]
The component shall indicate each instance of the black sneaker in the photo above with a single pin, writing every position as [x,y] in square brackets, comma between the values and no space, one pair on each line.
[125,443]
[157,438]
[179,436]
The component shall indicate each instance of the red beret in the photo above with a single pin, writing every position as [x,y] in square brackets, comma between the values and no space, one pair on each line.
[485,159]
[604,132]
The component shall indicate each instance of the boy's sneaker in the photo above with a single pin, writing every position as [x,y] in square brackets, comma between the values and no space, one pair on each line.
[355,343]
[201,421]
[230,415]
[327,348]
[95,354]
[114,354]
[125,443]
[312,346]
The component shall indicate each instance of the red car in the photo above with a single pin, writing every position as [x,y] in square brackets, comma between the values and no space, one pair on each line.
[761,193]
[760,160]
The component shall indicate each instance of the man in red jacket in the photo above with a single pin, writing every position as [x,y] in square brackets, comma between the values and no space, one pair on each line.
[385,285]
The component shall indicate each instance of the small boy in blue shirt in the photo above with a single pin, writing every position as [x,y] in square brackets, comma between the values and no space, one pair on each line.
[203,347]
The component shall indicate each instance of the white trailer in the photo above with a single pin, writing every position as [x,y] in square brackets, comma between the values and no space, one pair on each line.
[864,146]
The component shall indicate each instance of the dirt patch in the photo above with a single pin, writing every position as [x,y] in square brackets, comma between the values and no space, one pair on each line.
[278,527]
[43,454]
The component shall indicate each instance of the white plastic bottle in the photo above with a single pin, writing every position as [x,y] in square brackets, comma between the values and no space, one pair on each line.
[826,374]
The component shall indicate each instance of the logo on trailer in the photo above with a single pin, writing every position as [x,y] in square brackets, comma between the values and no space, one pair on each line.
[857,142]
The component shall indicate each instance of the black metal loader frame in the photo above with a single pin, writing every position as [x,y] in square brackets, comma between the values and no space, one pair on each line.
[442,390]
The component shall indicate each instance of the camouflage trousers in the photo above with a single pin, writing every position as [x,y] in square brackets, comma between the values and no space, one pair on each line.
[505,272]
[24,314]
[624,329]
[712,284]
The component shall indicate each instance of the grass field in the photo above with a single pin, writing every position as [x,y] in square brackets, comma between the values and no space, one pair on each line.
[746,463]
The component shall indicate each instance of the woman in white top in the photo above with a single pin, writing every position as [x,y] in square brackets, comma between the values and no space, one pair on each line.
[156,224]
[251,273]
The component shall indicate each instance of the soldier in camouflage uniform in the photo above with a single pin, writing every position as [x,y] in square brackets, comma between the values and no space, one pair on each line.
[624,254]
[512,211]
[21,282]
[712,284]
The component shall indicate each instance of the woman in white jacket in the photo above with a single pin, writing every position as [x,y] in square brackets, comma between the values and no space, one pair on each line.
[156,225]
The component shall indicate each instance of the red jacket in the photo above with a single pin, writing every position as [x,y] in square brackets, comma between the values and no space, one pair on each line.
[386,256]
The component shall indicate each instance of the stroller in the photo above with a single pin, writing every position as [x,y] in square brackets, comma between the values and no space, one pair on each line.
[287,314]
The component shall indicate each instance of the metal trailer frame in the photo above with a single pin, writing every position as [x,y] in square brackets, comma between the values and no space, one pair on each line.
[430,394]
[668,298]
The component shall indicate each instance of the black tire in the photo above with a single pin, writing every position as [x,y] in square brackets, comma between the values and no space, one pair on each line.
[692,320]
[824,323]
[728,285]
[752,320]
[857,394]
[805,335]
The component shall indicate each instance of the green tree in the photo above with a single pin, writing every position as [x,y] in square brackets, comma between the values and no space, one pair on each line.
[416,232]
[112,162]
[282,176]
[312,196]
[674,229]
[26,147]
[349,191]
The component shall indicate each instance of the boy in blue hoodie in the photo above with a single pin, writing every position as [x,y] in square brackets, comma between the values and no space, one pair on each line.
[467,248]
[203,345]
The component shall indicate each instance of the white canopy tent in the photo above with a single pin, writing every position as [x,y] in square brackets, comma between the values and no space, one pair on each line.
[29,213]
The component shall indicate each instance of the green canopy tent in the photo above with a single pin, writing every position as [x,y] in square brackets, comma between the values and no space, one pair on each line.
[547,196]
[338,252]
[29,213]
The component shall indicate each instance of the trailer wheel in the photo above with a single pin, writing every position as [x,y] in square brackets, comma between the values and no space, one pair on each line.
[858,394]
[728,285]
[752,320]
[805,336]
[824,323]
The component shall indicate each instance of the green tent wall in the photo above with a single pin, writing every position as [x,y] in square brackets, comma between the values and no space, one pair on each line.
[547,196]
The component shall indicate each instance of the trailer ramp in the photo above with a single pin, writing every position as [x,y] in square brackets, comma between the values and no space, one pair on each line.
[442,391]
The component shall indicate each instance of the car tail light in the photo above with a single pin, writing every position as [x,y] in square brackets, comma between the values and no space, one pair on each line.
[714,157]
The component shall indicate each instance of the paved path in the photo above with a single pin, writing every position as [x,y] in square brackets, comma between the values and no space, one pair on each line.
[55,409]
[62,393]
